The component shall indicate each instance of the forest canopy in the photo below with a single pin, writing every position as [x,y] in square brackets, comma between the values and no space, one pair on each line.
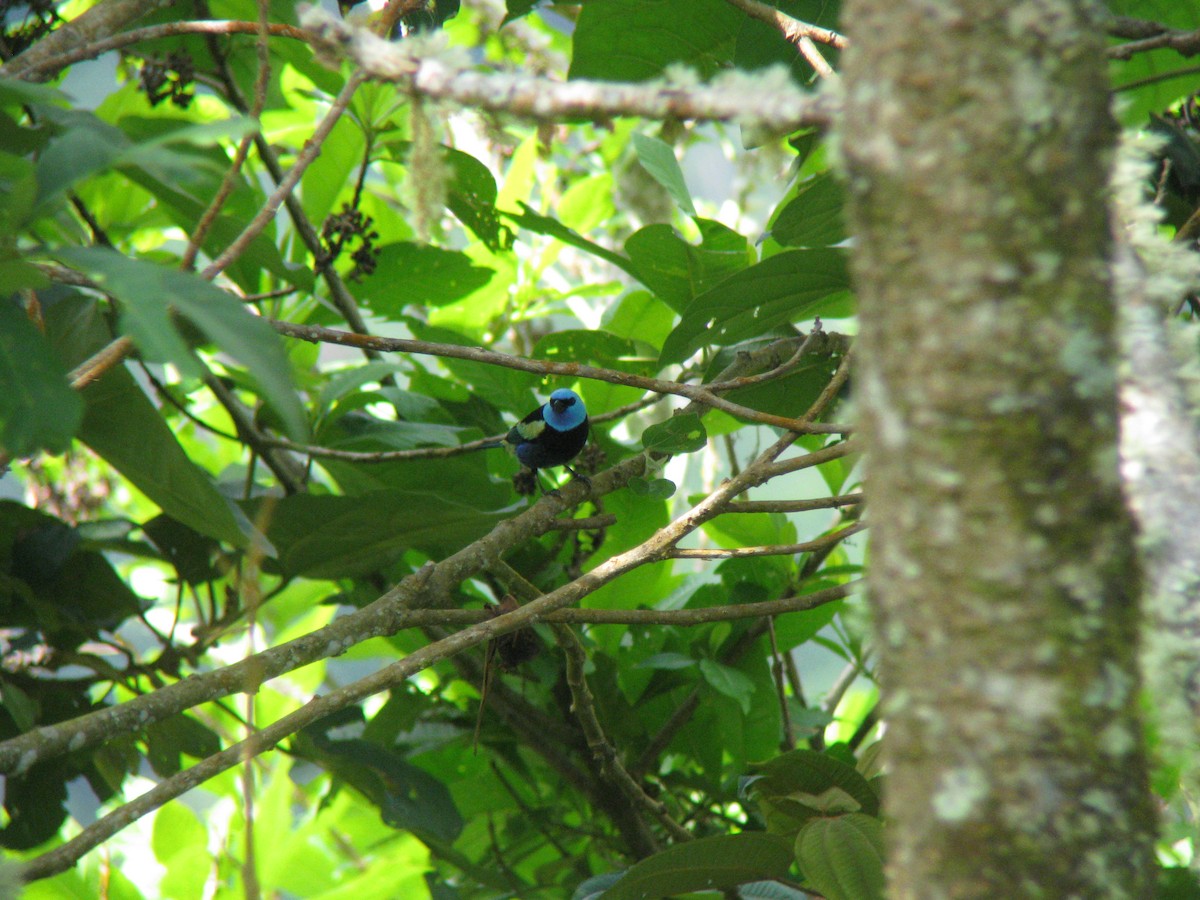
[280,616]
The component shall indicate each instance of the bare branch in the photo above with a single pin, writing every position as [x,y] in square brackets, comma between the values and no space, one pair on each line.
[820,543]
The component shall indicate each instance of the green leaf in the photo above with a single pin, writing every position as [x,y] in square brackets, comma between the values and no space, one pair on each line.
[16,92]
[19,705]
[149,292]
[471,196]
[815,777]
[653,488]
[813,217]
[677,271]
[181,734]
[123,426]
[38,409]
[751,529]
[331,537]
[18,188]
[658,159]
[84,147]
[421,275]
[1156,89]
[842,857]
[728,681]
[682,433]
[713,863]
[539,224]
[787,287]
[651,35]
[594,347]
[408,797]
[641,316]
[669,661]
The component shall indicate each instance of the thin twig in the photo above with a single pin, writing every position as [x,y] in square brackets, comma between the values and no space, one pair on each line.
[793,506]
[311,150]
[788,741]
[230,180]
[820,543]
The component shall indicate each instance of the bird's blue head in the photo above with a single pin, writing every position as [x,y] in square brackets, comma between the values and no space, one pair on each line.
[565,410]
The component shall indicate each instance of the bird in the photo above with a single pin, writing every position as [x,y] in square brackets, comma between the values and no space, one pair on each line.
[552,435]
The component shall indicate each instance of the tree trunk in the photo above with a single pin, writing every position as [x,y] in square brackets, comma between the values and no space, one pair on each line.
[1003,582]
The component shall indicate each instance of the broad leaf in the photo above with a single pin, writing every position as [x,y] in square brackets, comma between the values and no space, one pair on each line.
[38,409]
[148,293]
[811,777]
[682,433]
[332,537]
[813,217]
[418,274]
[728,681]
[539,224]
[784,288]
[658,159]
[677,271]
[707,864]
[842,856]
[123,426]
[651,35]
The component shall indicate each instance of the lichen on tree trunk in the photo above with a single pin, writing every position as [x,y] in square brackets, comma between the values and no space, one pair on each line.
[977,139]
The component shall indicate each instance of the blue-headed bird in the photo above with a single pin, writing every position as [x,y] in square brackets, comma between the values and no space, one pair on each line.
[552,435]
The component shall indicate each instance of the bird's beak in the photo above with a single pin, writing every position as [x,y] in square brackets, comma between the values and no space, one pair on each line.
[559,405]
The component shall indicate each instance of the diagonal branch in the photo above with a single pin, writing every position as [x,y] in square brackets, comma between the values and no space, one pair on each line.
[791,28]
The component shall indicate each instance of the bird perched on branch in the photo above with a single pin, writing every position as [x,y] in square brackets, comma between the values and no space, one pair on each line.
[552,435]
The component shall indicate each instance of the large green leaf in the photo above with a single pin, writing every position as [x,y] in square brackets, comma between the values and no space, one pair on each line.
[678,271]
[651,35]
[682,433]
[333,537]
[471,196]
[813,216]
[85,145]
[38,409]
[148,293]
[418,274]
[707,864]
[842,856]
[123,426]
[728,681]
[407,796]
[783,288]
[802,783]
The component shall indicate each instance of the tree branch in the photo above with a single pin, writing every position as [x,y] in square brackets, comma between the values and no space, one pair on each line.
[702,394]
[791,28]
[784,107]
[47,67]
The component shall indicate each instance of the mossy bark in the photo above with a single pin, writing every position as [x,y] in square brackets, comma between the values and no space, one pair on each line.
[977,139]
